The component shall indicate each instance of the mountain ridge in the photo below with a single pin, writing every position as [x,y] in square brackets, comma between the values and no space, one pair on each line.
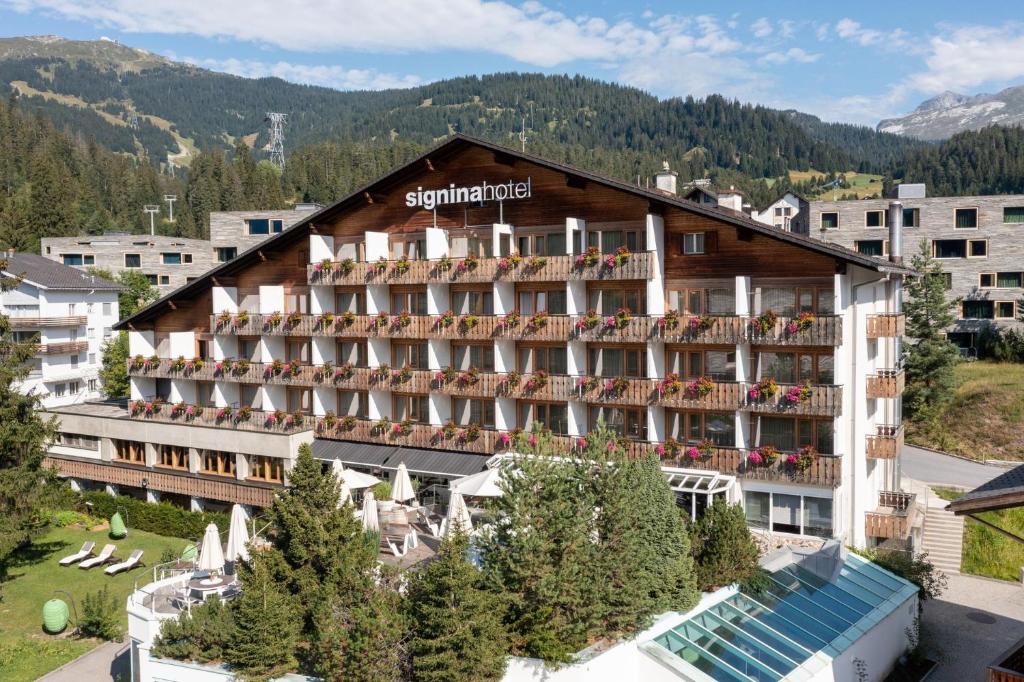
[949,113]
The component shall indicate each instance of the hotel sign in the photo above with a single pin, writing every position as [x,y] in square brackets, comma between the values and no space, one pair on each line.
[432,198]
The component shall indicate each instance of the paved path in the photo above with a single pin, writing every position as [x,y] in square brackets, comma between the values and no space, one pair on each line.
[972,623]
[939,469]
[106,662]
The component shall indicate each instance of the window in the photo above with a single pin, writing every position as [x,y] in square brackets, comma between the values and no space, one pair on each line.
[702,301]
[756,505]
[911,217]
[80,441]
[873,247]
[977,310]
[92,358]
[947,280]
[226,253]
[409,354]
[473,411]
[553,301]
[72,258]
[629,361]
[610,240]
[791,368]
[277,226]
[551,359]
[186,258]
[875,218]
[1008,280]
[965,218]
[351,351]
[553,416]
[173,456]
[608,300]
[630,422]
[108,309]
[74,387]
[467,355]
[790,301]
[977,248]
[412,407]
[413,302]
[297,349]
[170,258]
[476,302]
[60,390]
[949,248]
[90,333]
[693,427]
[353,301]
[549,244]
[1006,310]
[719,365]
[129,451]
[262,468]
[165,279]
[218,463]
[132,260]
[1013,214]
[783,513]
[789,433]
[258,226]
[152,279]
[413,249]
[353,403]
[107,332]
[830,220]
[91,385]
[74,361]
[693,243]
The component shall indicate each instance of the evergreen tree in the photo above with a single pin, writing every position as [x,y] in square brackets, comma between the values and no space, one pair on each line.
[929,358]
[114,372]
[457,630]
[723,550]
[138,292]
[201,634]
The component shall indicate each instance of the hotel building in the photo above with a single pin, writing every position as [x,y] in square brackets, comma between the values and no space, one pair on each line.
[532,295]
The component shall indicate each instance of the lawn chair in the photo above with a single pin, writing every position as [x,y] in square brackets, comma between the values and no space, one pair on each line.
[103,557]
[86,551]
[131,562]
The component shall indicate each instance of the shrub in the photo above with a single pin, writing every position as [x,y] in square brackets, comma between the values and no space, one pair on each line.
[916,568]
[201,636]
[722,547]
[161,518]
[69,517]
[382,491]
[101,615]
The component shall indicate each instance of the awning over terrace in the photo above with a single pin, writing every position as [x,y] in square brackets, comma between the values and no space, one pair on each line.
[388,457]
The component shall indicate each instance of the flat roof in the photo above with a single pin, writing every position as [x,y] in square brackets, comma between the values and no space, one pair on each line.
[416,460]
[112,409]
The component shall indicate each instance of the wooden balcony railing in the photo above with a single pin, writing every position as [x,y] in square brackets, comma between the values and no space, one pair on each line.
[63,347]
[414,435]
[717,329]
[825,470]
[616,391]
[461,270]
[553,328]
[885,326]
[241,419]
[894,516]
[33,321]
[824,400]
[636,329]
[885,384]
[886,443]
[1009,667]
[724,395]
[824,330]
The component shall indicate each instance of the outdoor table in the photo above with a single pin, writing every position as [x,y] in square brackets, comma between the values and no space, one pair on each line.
[204,587]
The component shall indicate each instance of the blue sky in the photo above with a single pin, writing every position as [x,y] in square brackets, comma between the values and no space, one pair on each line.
[855,62]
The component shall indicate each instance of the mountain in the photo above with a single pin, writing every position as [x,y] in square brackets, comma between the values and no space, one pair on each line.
[949,113]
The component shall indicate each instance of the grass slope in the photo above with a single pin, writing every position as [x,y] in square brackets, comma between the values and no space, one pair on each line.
[26,651]
[987,552]
[985,417]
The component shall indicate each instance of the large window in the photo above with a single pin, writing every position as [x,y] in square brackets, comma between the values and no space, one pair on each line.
[351,351]
[466,411]
[130,451]
[350,301]
[693,243]
[553,416]
[977,310]
[473,301]
[409,354]
[80,441]
[170,258]
[226,253]
[412,301]
[467,355]
[784,513]
[702,301]
[608,300]
[911,217]
[269,469]
[173,457]
[693,427]
[1001,280]
[412,249]
[412,407]
[353,403]
[830,220]
[949,248]
[875,218]
[630,422]
[795,367]
[551,300]
[615,361]
[132,260]
[791,301]
[257,226]
[719,365]
[965,218]
[547,244]
[873,247]
[790,433]
[218,463]
[78,259]
[609,241]
[1013,214]
[551,359]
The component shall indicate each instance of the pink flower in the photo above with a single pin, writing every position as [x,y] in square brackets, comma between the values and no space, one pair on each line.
[791,459]
[532,440]
[580,261]
[439,376]
[661,322]
[396,428]
[754,393]
[611,446]
[659,450]
[791,327]
[694,323]
[693,453]
[610,261]
[609,385]
[581,442]
[610,322]
[505,439]
[755,457]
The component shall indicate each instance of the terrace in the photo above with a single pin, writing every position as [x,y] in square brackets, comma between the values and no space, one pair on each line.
[894,516]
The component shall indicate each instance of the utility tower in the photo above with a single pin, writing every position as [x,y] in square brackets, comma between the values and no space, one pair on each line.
[152,210]
[276,121]
[170,199]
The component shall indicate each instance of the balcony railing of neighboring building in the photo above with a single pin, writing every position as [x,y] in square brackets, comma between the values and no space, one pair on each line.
[475,270]
[885,443]
[1009,667]
[239,418]
[816,469]
[886,325]
[35,321]
[63,347]
[767,396]
[885,384]
[894,516]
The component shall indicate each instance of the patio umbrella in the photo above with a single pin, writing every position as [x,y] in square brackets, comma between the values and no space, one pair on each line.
[483,484]
[238,535]
[211,554]
[403,485]
[458,514]
[370,521]
[344,495]
[355,479]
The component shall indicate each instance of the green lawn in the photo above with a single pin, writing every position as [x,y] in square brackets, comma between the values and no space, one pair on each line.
[26,651]
[987,552]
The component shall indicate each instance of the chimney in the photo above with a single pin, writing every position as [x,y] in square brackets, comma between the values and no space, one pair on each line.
[665,180]
[896,232]
[731,198]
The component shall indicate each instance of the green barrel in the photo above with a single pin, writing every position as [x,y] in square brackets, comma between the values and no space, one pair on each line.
[117,527]
[55,616]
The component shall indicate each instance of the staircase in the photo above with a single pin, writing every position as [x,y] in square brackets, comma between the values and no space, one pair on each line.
[943,539]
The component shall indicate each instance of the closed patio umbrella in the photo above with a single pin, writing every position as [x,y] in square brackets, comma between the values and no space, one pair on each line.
[356,480]
[370,521]
[211,554]
[238,535]
[483,484]
[403,491]
[458,514]
[344,495]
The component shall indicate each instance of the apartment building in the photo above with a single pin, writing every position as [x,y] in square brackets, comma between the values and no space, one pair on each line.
[790,212]
[975,238]
[172,262]
[477,294]
[70,315]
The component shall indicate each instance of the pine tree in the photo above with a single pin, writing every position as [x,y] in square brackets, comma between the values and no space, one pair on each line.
[114,372]
[457,630]
[723,550]
[929,358]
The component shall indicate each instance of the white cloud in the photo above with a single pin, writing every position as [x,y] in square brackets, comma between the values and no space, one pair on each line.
[328,75]
[970,56]
[762,28]
[821,32]
[793,54]
[895,39]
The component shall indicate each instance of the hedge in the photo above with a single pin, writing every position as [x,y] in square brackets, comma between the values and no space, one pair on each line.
[161,518]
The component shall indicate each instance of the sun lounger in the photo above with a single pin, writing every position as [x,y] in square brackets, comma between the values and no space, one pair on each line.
[132,561]
[86,550]
[101,558]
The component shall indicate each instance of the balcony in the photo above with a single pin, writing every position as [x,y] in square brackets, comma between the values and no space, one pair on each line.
[1009,667]
[886,443]
[796,399]
[384,432]
[240,419]
[886,326]
[613,329]
[470,270]
[816,330]
[894,516]
[681,394]
[885,384]
[825,470]
[36,321]
[711,329]
[613,390]
[63,348]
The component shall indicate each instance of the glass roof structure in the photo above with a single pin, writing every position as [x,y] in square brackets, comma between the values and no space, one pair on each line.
[765,636]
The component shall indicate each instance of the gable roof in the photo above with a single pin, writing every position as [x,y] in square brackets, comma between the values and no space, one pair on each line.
[1002,492]
[460,142]
[49,274]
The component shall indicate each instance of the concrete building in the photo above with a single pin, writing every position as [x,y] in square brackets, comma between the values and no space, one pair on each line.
[975,238]
[477,294]
[172,262]
[790,212]
[70,315]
